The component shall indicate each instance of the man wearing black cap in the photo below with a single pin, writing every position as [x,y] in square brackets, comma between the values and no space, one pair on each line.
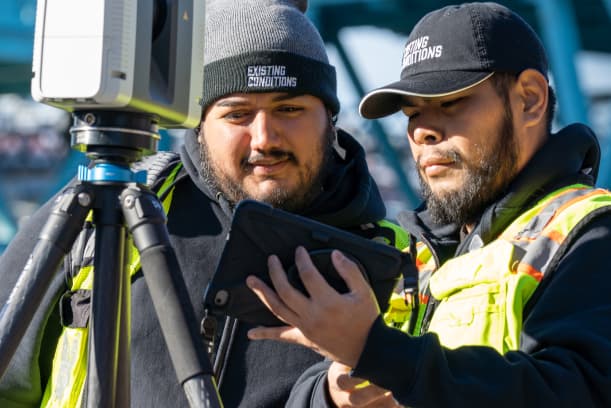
[267,133]
[512,241]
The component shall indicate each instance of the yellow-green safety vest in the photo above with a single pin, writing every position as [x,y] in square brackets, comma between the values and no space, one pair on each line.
[482,294]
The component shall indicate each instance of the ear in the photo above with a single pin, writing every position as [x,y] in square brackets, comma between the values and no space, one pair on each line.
[532,92]
[200,131]
[200,128]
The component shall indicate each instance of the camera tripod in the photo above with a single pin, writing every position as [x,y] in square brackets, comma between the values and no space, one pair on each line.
[121,205]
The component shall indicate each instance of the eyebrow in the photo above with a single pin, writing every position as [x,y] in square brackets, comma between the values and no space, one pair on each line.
[406,103]
[232,102]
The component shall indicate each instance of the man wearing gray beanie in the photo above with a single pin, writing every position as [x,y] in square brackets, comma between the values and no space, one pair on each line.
[267,133]
[265,46]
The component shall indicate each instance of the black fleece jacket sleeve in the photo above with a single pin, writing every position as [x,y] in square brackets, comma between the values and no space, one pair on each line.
[564,360]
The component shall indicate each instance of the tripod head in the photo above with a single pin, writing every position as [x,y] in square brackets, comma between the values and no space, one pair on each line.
[116,136]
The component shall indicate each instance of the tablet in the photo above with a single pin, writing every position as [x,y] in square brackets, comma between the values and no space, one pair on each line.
[259,230]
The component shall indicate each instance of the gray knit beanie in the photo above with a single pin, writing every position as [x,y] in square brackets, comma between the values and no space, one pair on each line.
[265,46]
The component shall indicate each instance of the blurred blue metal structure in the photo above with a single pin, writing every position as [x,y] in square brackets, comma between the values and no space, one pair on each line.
[566,27]
[386,147]
[562,46]
[16,38]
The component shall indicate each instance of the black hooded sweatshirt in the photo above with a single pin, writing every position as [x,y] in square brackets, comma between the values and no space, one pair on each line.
[256,373]
[564,359]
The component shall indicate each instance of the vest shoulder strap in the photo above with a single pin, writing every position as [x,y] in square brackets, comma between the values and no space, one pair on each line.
[546,236]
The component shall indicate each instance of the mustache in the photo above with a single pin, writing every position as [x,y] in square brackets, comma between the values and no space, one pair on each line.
[275,154]
[450,155]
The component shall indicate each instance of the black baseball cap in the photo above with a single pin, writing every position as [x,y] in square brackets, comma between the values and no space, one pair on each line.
[455,48]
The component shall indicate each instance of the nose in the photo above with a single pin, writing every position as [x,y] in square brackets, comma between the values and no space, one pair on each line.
[426,135]
[264,134]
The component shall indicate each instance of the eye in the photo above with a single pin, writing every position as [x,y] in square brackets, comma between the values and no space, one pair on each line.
[290,109]
[452,102]
[236,115]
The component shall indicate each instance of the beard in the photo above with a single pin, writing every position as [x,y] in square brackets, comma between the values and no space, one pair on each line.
[485,180]
[295,200]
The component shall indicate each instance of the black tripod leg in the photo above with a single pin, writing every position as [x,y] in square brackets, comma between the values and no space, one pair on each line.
[124,371]
[54,241]
[145,219]
[106,340]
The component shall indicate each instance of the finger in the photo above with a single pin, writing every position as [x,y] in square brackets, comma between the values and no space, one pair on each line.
[385,401]
[371,396]
[339,376]
[335,371]
[286,334]
[368,396]
[348,383]
[316,285]
[272,301]
[339,391]
[292,297]
[267,333]
[350,272]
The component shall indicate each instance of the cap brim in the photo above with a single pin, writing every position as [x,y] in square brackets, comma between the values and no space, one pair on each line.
[388,99]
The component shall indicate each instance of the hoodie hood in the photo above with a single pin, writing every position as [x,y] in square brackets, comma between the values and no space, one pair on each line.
[350,196]
[190,157]
[570,156]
